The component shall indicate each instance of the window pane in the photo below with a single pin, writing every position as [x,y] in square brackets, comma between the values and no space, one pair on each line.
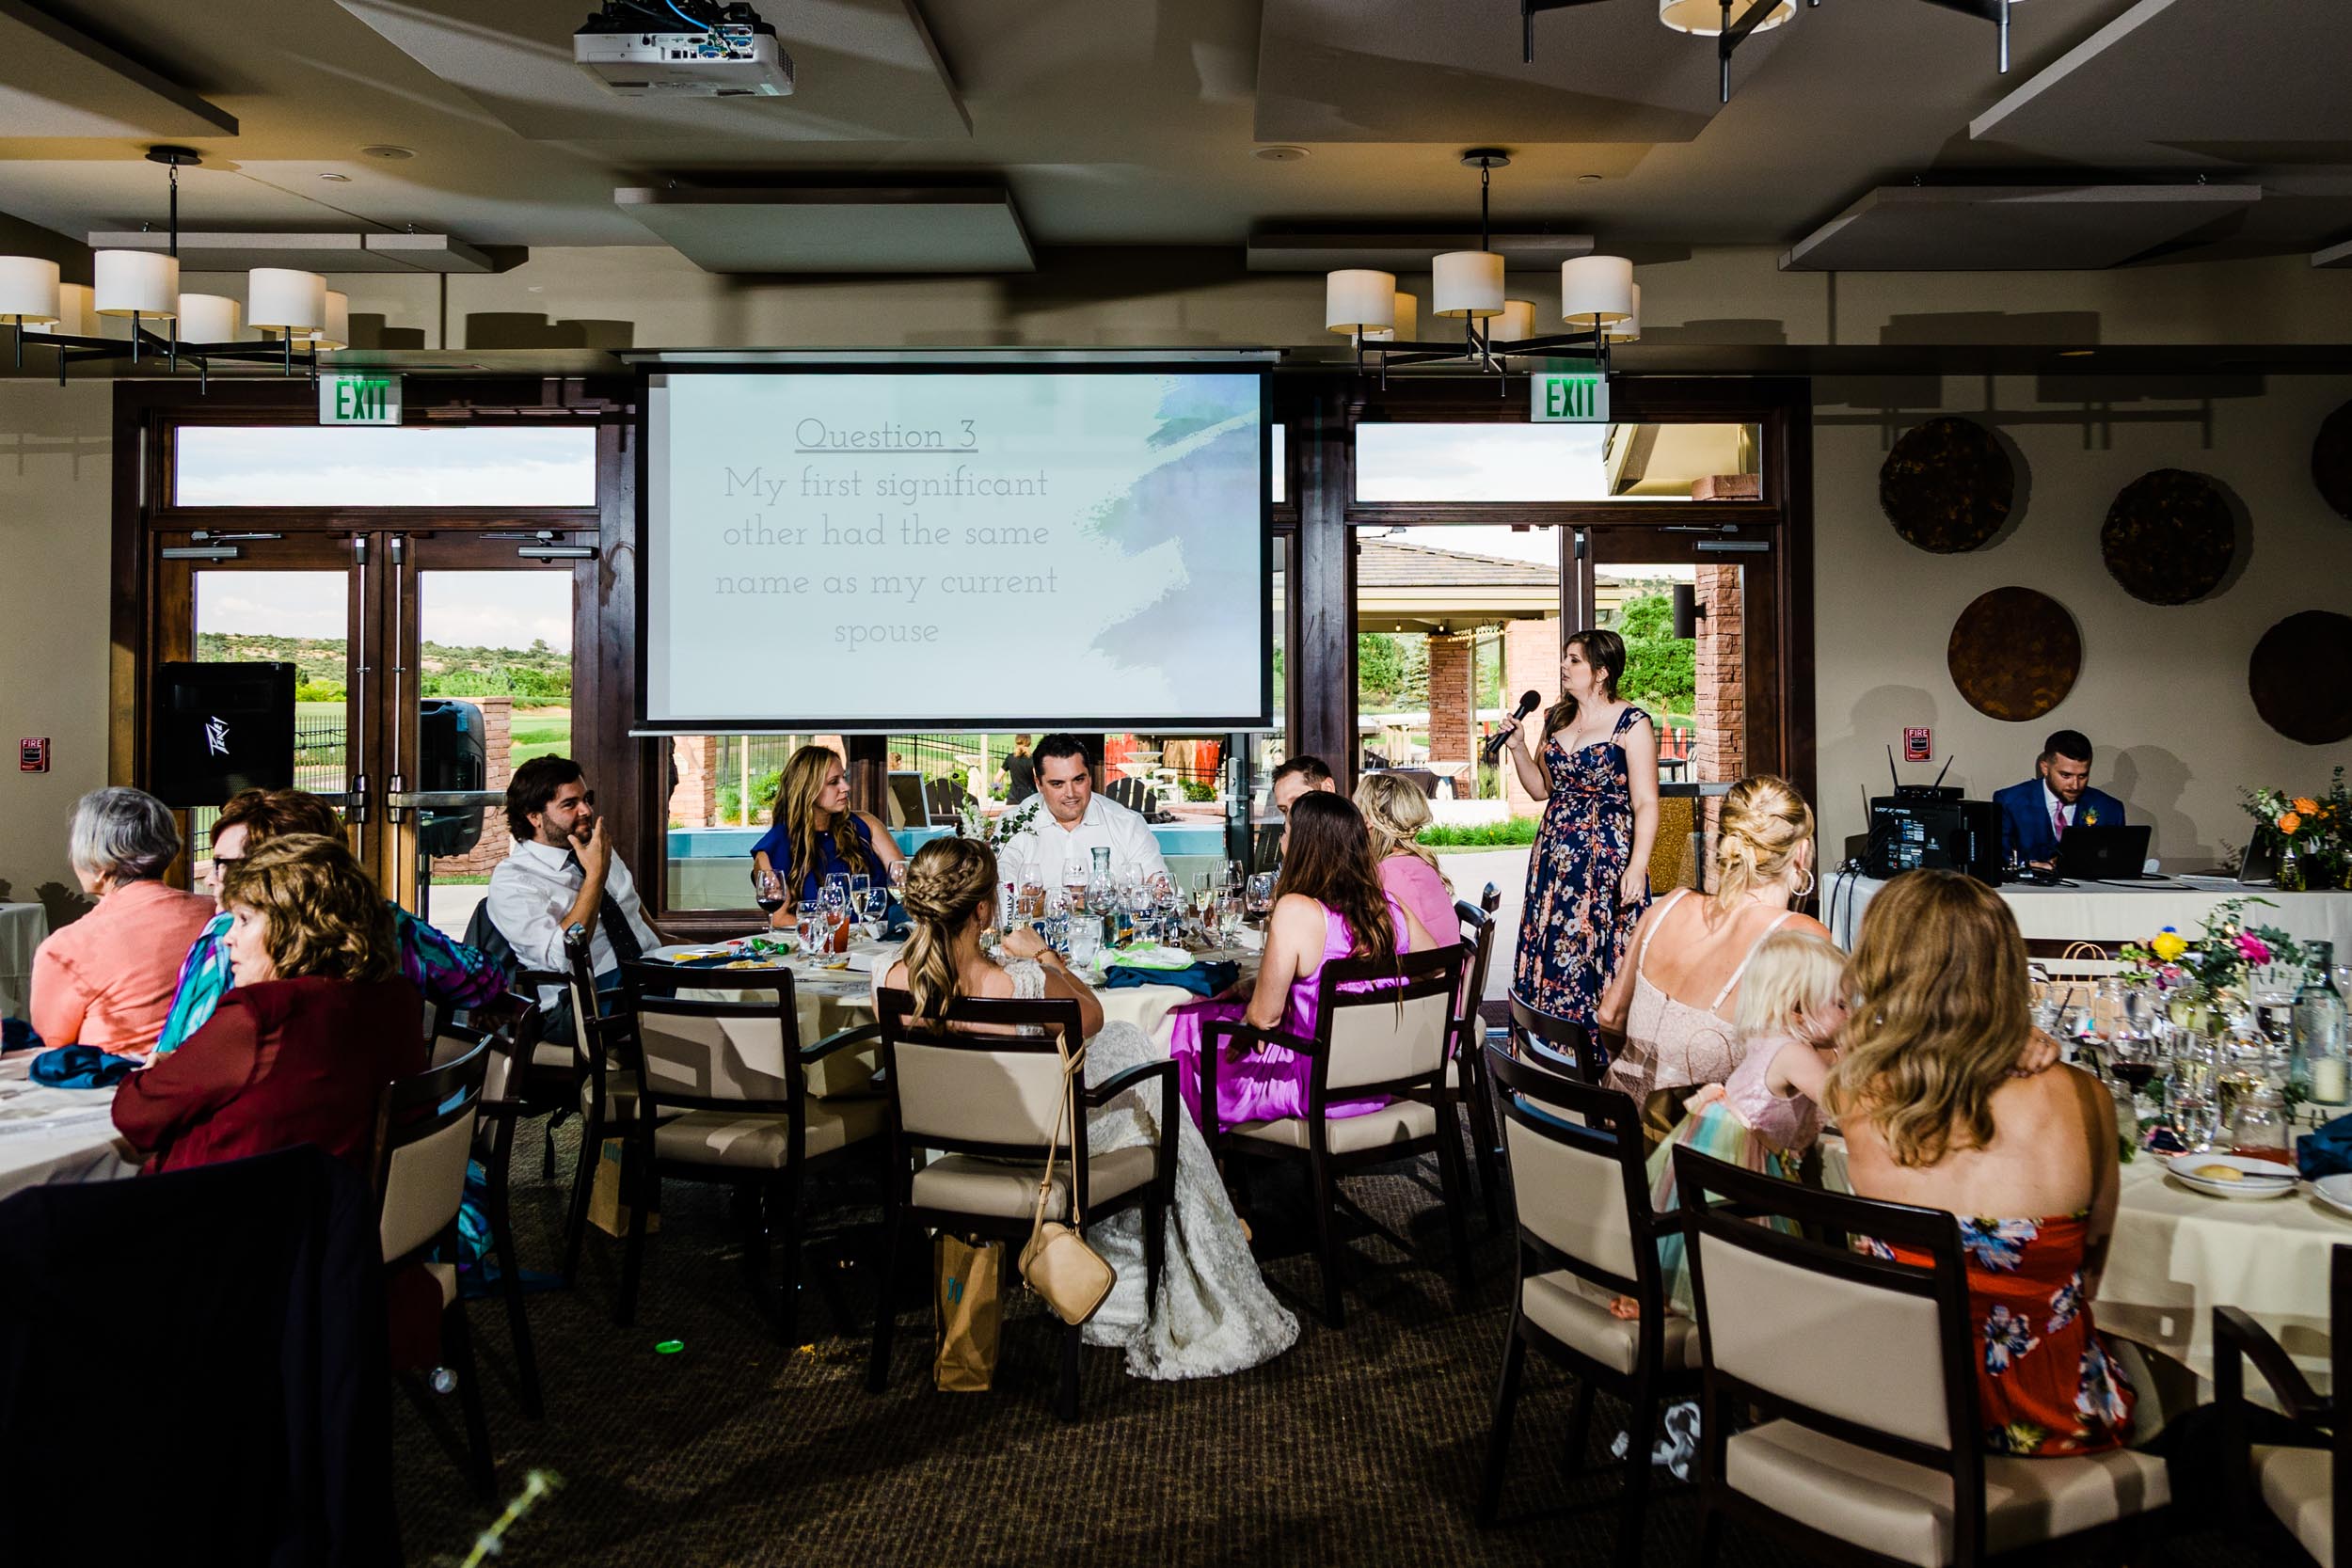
[1555,462]
[302,617]
[1282,460]
[723,797]
[321,466]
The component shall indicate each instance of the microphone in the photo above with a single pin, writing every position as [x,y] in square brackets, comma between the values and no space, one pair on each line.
[1529,702]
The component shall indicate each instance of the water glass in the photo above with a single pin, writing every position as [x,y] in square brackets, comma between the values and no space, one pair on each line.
[1086,943]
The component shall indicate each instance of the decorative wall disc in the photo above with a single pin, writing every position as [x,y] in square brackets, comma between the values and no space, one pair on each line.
[2301,677]
[2014,653]
[1948,486]
[2331,460]
[2168,537]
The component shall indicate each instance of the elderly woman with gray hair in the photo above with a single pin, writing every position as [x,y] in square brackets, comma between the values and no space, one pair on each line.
[107,979]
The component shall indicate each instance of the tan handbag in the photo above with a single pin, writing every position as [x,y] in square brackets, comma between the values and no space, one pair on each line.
[1072,1276]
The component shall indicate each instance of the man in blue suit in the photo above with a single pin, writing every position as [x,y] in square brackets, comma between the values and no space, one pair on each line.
[2035,813]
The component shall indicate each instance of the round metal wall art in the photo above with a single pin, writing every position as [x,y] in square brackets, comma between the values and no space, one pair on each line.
[1948,486]
[2170,537]
[2331,460]
[2300,677]
[2014,653]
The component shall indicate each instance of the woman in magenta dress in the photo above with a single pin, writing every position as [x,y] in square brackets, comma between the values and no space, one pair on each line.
[1588,875]
[1328,905]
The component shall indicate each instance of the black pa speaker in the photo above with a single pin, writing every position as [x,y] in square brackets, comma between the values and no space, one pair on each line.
[215,729]
[452,753]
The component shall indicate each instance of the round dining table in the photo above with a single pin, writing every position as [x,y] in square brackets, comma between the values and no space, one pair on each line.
[55,1136]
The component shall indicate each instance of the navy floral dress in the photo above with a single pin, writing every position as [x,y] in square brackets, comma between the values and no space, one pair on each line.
[1573,934]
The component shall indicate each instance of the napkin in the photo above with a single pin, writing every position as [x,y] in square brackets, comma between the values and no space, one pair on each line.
[1202,978]
[80,1066]
[17,1034]
[2327,1152]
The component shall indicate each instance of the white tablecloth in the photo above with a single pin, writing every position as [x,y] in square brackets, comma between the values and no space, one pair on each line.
[22,927]
[55,1135]
[2108,911]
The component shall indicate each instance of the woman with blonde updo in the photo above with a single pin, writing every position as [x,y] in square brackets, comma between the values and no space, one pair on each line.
[1215,1314]
[815,834]
[1688,956]
[1395,811]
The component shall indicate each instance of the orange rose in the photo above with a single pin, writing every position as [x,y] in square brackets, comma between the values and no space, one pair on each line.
[2288,822]
[2305,804]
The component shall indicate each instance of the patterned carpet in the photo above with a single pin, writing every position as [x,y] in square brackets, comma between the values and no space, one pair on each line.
[1361,1446]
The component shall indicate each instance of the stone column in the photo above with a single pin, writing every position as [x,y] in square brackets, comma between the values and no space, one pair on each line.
[1453,730]
[1719,752]
[696,801]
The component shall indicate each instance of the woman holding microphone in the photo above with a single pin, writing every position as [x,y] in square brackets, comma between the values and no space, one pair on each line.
[1595,766]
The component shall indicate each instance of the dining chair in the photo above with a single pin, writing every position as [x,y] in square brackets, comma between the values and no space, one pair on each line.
[1840,1411]
[2299,1486]
[1587,1235]
[1556,1043]
[501,1109]
[972,1113]
[424,1136]
[603,1045]
[1467,1068]
[1380,1032]
[723,1096]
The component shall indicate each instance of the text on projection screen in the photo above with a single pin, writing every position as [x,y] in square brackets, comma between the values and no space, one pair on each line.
[859,547]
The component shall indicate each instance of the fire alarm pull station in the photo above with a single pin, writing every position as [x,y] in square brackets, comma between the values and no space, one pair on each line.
[32,756]
[1918,745]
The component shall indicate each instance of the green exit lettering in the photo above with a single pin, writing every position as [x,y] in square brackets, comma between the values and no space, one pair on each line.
[1568,398]
[360,400]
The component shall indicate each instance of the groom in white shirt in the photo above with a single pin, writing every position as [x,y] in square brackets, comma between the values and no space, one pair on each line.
[1071,820]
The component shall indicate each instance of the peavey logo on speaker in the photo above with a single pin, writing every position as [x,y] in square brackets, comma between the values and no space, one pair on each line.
[216,736]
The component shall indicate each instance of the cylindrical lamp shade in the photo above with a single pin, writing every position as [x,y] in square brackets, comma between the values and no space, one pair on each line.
[336,333]
[1518,320]
[1408,328]
[282,299]
[1706,17]
[28,291]
[1468,283]
[1596,290]
[137,283]
[208,319]
[1629,329]
[77,313]
[1359,299]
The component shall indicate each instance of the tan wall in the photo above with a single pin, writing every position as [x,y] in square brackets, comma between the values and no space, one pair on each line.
[2163,693]
[56,481]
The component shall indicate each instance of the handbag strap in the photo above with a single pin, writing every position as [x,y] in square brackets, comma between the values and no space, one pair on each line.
[1072,1064]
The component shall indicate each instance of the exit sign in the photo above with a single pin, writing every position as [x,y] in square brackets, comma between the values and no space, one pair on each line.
[1569,397]
[359,400]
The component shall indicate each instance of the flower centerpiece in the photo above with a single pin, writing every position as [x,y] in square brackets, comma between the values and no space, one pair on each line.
[2209,977]
[2310,834]
[972,822]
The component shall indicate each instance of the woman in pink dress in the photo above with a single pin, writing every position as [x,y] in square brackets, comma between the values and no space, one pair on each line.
[1328,905]
[1395,811]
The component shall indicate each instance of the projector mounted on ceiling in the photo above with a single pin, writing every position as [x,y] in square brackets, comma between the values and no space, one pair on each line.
[688,49]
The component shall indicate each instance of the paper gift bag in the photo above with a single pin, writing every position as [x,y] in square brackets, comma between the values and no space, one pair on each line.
[966,1290]
[606,1211]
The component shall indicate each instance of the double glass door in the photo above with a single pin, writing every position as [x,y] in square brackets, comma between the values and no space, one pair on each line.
[429,666]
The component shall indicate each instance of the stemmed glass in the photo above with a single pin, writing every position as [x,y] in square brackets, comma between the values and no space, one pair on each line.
[1235,873]
[833,899]
[1170,904]
[1140,900]
[768,892]
[872,902]
[1204,899]
[1260,893]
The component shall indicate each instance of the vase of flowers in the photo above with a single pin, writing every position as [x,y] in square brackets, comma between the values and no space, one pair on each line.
[2312,835]
[972,822]
[2207,978]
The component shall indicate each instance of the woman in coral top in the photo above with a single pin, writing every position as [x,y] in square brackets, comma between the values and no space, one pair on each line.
[107,979]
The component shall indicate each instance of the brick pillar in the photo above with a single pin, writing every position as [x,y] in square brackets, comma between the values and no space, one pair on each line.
[1453,730]
[1719,752]
[696,801]
[498,767]
[1530,662]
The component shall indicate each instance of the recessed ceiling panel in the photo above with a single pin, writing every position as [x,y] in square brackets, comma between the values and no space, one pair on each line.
[57,83]
[1394,250]
[866,70]
[344,252]
[803,229]
[2010,228]
[2334,256]
[1406,71]
[2242,84]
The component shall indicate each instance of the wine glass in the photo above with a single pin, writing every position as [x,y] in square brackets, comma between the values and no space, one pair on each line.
[1228,918]
[1203,897]
[768,892]
[873,904]
[1260,893]
[1141,900]
[1234,873]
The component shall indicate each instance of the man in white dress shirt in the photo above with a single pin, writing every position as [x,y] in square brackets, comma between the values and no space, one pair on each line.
[563,872]
[1072,821]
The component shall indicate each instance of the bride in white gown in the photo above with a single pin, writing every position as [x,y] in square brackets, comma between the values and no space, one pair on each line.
[1215,1314]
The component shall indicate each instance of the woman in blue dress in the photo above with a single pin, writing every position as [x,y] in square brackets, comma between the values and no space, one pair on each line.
[1588,875]
[815,833]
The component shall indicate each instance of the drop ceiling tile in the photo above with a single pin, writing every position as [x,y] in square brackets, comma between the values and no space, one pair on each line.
[805,228]
[57,83]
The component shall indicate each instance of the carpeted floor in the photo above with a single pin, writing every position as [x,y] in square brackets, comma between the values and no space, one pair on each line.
[1361,1446]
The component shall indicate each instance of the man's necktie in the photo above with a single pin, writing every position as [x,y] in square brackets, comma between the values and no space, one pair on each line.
[2058,821]
[609,916]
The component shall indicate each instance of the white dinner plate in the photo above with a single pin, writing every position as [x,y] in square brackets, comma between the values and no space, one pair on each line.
[2262,1178]
[677,952]
[2335,1192]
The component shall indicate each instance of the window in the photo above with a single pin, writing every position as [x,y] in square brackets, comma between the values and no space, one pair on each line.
[1495,462]
[471,466]
[723,797]
[1280,457]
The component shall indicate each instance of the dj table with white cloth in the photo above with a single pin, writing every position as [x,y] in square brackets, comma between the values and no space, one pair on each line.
[2113,911]
[21,928]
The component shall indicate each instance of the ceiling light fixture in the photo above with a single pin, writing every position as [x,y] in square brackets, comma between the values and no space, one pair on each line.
[142,286]
[1716,19]
[1598,298]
